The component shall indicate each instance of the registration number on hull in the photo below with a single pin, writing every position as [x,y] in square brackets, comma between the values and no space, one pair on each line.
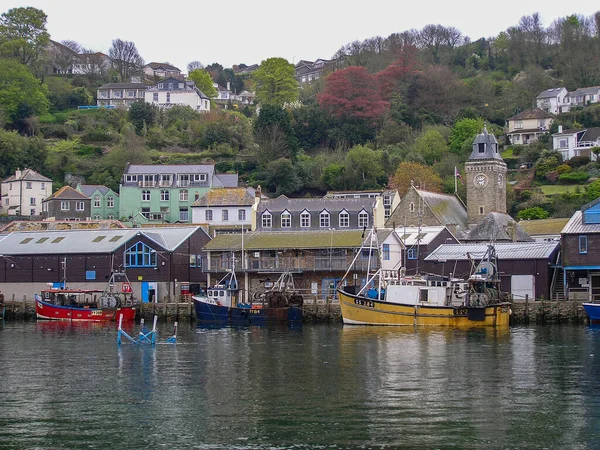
[367,303]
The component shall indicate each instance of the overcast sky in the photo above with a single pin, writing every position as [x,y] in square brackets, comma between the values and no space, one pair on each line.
[235,31]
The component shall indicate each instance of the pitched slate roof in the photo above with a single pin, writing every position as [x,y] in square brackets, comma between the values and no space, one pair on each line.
[89,241]
[495,226]
[68,193]
[282,203]
[534,113]
[279,240]
[226,180]
[227,197]
[504,251]
[549,93]
[27,175]
[157,65]
[584,91]
[90,189]
[591,134]
[447,208]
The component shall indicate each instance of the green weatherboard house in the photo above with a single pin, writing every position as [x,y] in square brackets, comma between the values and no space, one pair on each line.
[105,201]
[164,193]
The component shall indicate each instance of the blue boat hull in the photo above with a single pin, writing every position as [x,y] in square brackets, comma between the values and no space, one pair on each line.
[592,310]
[207,313]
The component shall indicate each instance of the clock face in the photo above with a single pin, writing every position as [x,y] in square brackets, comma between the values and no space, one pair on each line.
[480,180]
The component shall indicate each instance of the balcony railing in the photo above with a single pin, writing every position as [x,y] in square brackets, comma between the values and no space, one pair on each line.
[306,263]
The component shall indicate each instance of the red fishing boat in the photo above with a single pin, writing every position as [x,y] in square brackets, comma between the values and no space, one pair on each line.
[81,305]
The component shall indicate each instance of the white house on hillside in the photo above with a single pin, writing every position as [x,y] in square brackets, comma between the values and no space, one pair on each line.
[571,143]
[173,91]
[553,100]
[23,193]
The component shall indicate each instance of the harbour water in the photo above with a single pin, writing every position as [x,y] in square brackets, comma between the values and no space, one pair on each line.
[69,386]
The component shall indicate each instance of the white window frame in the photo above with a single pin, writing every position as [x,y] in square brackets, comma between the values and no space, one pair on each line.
[325,219]
[286,219]
[183,195]
[79,206]
[65,206]
[304,219]
[146,196]
[363,219]
[344,219]
[267,220]
[241,214]
[110,201]
[225,215]
[208,215]
[97,203]
[165,195]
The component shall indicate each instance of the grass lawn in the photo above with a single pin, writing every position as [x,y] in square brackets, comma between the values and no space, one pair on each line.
[559,188]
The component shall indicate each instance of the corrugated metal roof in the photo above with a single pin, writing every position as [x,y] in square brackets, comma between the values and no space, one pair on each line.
[576,226]
[508,250]
[279,240]
[88,241]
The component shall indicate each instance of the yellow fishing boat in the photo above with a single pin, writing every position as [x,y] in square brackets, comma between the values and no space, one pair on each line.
[428,300]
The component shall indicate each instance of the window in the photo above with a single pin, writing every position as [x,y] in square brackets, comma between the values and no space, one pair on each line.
[96,201]
[96,217]
[164,196]
[344,219]
[241,214]
[196,261]
[44,206]
[200,177]
[180,85]
[518,124]
[7,201]
[267,220]
[184,180]
[130,93]
[562,143]
[160,85]
[324,219]
[582,244]
[170,85]
[183,195]
[208,214]
[43,186]
[64,206]
[224,215]
[32,201]
[386,252]
[286,220]
[130,178]
[183,215]
[168,97]
[145,196]
[32,212]
[28,185]
[481,147]
[411,207]
[110,201]
[110,217]
[155,97]
[305,219]
[412,253]
[140,255]
[79,206]
[481,210]
[363,219]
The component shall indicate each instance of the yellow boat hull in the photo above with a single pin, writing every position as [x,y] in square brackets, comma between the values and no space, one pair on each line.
[358,310]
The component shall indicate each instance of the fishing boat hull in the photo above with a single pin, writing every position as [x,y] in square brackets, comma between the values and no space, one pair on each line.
[48,311]
[209,313]
[593,311]
[360,310]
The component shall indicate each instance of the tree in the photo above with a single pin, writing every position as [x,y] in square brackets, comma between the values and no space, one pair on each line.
[23,34]
[363,169]
[275,82]
[73,45]
[92,64]
[431,146]
[464,130]
[533,213]
[142,114]
[282,177]
[193,65]
[409,173]
[125,59]
[395,77]
[203,82]
[21,94]
[352,94]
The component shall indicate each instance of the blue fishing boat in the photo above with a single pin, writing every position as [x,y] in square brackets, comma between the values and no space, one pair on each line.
[221,305]
[593,311]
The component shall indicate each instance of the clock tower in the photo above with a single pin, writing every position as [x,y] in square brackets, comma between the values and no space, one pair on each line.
[486,178]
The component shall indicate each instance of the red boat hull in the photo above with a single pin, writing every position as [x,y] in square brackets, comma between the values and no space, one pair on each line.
[46,310]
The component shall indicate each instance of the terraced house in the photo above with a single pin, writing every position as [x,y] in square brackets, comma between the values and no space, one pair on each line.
[105,201]
[165,193]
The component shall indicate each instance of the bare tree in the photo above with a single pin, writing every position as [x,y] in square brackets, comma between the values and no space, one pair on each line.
[72,45]
[92,64]
[125,59]
[63,58]
[194,65]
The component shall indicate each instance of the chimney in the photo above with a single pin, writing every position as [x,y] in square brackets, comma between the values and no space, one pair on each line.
[18,174]
[560,128]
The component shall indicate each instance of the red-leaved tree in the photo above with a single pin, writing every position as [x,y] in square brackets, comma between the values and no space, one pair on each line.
[353,93]
[400,72]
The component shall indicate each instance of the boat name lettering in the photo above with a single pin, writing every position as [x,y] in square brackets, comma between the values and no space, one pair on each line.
[96,313]
[369,303]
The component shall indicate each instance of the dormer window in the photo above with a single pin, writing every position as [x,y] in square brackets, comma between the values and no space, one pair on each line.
[324,219]
[481,147]
[286,219]
[180,85]
[200,177]
[160,85]
[363,219]
[267,220]
[344,219]
[305,219]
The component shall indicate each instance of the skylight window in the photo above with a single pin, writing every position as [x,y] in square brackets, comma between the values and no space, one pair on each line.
[58,239]
[98,238]
[26,240]
[42,240]
[115,238]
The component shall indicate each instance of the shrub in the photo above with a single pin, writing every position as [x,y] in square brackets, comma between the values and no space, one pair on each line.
[573,178]
[534,213]
[552,176]
[563,168]
[578,161]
